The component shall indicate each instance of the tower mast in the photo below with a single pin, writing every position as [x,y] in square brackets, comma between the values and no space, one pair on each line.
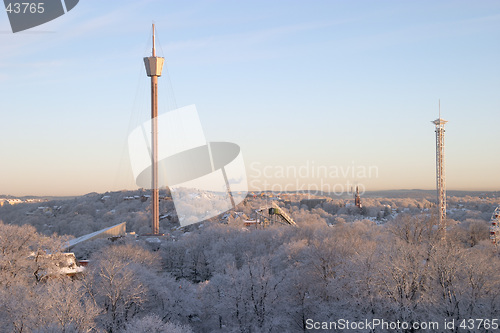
[440,172]
[154,66]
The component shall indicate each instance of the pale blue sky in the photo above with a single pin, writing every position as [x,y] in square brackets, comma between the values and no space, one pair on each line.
[294,83]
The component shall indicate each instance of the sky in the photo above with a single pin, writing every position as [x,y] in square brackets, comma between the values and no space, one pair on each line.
[318,94]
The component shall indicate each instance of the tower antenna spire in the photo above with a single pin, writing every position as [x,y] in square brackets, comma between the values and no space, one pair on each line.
[438,99]
[154,46]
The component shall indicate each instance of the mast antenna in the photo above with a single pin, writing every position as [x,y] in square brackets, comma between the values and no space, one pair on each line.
[154,47]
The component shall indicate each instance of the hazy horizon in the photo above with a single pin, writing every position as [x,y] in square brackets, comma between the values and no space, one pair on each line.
[368,191]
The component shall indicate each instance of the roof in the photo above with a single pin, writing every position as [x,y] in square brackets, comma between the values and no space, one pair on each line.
[116,230]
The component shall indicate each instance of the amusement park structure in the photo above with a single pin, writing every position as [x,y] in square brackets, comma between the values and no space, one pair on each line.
[495,226]
[265,216]
[440,172]
[154,66]
[357,198]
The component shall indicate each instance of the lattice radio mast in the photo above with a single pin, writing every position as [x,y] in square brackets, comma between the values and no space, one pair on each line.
[440,172]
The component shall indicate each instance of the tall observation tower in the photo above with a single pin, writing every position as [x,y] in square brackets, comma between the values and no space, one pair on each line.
[440,172]
[154,65]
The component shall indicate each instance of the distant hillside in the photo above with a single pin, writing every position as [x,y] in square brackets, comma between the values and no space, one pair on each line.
[88,213]
[428,194]
[407,193]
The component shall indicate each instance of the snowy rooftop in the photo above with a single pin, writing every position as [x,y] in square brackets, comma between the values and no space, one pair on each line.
[116,230]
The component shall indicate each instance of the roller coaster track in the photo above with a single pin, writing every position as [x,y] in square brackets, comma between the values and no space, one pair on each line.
[275,210]
[495,226]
